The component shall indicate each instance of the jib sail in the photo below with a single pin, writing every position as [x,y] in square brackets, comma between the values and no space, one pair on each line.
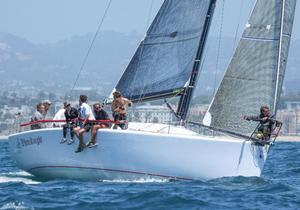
[255,74]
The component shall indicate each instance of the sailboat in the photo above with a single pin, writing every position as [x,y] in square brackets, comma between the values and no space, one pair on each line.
[167,64]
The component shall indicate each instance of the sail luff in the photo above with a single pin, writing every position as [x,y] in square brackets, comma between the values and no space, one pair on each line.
[279,58]
[287,26]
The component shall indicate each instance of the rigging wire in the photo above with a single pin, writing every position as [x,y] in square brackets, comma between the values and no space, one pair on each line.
[238,25]
[142,48]
[91,45]
[239,19]
[149,15]
[219,46]
[236,34]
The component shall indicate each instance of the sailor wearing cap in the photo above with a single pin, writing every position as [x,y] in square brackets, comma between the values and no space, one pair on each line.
[47,105]
[71,116]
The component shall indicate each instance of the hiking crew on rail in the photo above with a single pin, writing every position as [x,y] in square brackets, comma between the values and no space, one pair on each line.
[119,108]
[266,125]
[82,120]
[87,115]
[71,115]
[99,114]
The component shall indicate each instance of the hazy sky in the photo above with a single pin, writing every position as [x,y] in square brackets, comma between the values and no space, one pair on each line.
[42,21]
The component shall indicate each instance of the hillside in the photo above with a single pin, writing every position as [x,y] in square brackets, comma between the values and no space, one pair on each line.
[57,64]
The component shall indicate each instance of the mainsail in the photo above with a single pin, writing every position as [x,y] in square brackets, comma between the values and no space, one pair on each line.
[163,62]
[255,74]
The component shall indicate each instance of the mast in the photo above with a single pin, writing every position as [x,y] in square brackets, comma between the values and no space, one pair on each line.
[276,97]
[187,94]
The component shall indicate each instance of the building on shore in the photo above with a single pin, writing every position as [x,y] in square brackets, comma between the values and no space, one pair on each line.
[197,112]
[291,121]
[292,105]
[151,114]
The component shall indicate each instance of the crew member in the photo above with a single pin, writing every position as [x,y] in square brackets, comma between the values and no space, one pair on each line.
[99,114]
[86,114]
[119,109]
[71,116]
[47,105]
[266,123]
[60,116]
[38,115]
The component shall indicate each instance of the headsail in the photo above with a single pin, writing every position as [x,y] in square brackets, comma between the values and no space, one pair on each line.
[255,74]
[163,62]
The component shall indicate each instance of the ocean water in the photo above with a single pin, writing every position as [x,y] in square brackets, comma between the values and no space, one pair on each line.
[278,188]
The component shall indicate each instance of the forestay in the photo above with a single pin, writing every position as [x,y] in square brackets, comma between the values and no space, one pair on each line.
[255,74]
[163,62]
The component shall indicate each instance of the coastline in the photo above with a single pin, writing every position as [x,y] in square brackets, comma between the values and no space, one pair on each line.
[288,138]
[3,138]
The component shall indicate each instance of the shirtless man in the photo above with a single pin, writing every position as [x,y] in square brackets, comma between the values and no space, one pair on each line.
[119,109]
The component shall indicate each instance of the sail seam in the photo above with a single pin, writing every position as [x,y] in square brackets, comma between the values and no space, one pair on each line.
[259,39]
[182,33]
[168,42]
[239,78]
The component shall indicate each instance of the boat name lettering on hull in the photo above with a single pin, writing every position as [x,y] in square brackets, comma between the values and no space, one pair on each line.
[23,142]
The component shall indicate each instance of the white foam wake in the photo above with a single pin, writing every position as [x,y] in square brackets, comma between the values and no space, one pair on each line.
[20,176]
[15,205]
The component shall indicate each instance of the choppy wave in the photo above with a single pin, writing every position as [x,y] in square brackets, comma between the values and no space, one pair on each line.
[278,188]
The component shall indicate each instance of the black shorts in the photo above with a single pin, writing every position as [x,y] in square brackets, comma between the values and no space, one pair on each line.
[119,117]
[87,127]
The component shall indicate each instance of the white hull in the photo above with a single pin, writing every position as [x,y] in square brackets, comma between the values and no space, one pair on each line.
[129,155]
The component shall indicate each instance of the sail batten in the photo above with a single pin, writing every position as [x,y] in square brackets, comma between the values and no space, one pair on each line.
[255,74]
[164,60]
[259,39]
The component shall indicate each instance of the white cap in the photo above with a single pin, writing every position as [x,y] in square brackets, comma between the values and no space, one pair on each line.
[47,102]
